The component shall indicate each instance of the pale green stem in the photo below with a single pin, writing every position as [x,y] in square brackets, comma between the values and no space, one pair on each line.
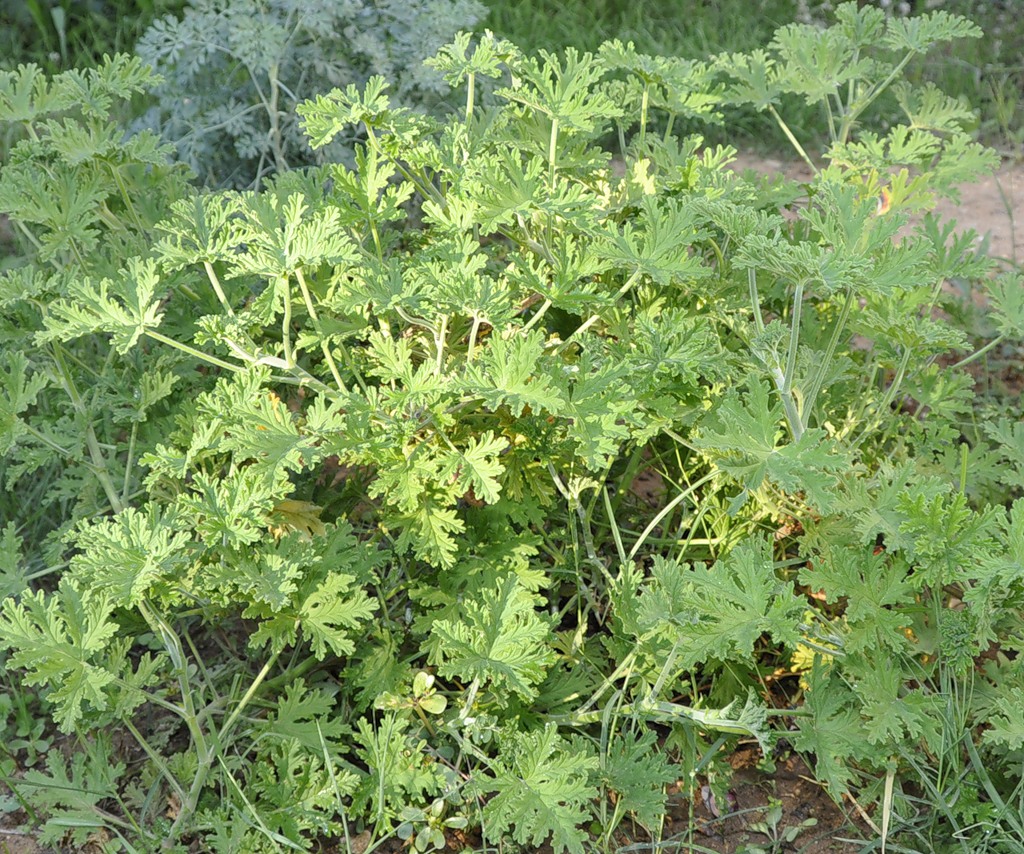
[819,377]
[376,238]
[890,396]
[211,274]
[92,443]
[590,321]
[470,95]
[477,320]
[792,139]
[203,357]
[29,235]
[471,693]
[276,136]
[626,666]
[674,713]
[427,190]
[157,760]
[537,315]
[792,416]
[794,338]
[240,707]
[47,441]
[324,348]
[784,381]
[644,101]
[897,380]
[129,463]
[616,534]
[286,323]
[856,110]
[127,199]
[995,342]
[668,126]
[440,336]
[552,150]
[668,508]
[205,754]
[755,300]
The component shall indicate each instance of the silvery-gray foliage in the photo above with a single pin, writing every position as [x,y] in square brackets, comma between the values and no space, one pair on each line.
[233,71]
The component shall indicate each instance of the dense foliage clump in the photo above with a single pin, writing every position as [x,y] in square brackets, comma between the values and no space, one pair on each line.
[322,518]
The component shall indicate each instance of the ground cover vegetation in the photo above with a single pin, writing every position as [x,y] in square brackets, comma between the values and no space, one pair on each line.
[319,522]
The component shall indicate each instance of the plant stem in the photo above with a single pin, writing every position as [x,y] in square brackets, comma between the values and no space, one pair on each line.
[686,493]
[552,151]
[286,323]
[202,357]
[226,728]
[590,321]
[211,274]
[324,348]
[537,315]
[792,139]
[819,376]
[99,462]
[477,320]
[644,100]
[794,338]
[979,353]
[755,300]
[866,101]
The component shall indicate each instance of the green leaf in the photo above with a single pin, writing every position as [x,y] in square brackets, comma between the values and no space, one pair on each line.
[26,94]
[540,791]
[55,638]
[130,554]
[478,466]
[943,534]
[930,108]
[332,612]
[873,587]
[13,572]
[637,771]
[305,714]
[487,58]
[18,391]
[228,511]
[657,243]
[742,436]
[499,639]
[832,730]
[562,91]
[266,577]
[755,79]
[325,116]
[1006,301]
[252,422]
[815,63]
[919,32]
[599,407]
[400,767]
[125,307]
[1006,719]
[509,372]
[430,531]
[718,612]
